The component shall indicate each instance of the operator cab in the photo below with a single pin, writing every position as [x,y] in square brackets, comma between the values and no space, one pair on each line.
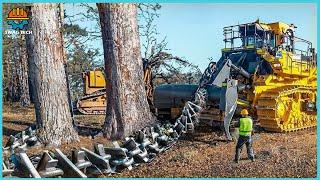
[272,37]
[256,35]
[278,39]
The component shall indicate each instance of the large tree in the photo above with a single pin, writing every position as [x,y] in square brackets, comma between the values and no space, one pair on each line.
[51,93]
[127,106]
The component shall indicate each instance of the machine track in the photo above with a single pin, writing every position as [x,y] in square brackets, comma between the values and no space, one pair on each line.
[282,109]
[93,104]
[212,117]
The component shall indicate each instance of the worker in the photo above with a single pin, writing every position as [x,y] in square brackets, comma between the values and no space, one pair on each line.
[245,132]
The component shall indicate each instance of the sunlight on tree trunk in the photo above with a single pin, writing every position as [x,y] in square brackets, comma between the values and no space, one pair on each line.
[51,100]
[127,106]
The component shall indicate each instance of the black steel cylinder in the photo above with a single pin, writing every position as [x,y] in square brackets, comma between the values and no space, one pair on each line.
[174,96]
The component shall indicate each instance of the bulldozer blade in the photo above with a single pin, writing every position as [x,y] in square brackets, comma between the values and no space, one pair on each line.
[69,169]
[230,103]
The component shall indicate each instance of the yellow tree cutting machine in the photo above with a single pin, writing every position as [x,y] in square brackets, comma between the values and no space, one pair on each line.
[94,99]
[261,68]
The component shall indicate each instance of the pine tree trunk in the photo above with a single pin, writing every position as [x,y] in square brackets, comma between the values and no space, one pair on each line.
[17,70]
[30,58]
[14,79]
[51,100]
[127,106]
[23,74]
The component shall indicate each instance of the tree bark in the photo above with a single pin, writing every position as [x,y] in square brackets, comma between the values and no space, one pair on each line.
[30,58]
[51,100]
[127,106]
[14,79]
[23,74]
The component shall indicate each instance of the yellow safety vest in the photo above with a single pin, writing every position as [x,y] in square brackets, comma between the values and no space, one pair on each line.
[245,126]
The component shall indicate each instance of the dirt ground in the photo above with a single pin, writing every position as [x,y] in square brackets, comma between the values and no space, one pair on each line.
[202,154]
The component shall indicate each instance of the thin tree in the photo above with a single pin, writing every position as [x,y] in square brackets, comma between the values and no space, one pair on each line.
[51,101]
[30,58]
[15,78]
[127,106]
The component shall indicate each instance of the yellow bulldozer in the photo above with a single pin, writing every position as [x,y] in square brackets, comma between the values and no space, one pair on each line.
[94,99]
[264,68]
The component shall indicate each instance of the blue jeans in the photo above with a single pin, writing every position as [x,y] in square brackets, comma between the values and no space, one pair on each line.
[241,141]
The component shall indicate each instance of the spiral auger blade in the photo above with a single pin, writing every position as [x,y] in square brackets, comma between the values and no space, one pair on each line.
[192,109]
[135,150]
